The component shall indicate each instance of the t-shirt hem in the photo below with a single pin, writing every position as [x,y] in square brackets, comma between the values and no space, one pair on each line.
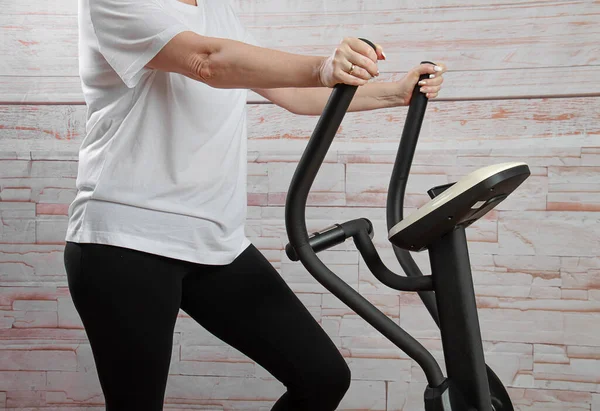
[146,245]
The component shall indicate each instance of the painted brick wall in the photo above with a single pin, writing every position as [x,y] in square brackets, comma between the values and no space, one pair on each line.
[523,86]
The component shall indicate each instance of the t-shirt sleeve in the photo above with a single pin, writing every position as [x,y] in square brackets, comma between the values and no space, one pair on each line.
[131,32]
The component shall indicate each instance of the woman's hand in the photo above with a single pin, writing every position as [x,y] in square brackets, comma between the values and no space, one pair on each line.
[353,62]
[430,86]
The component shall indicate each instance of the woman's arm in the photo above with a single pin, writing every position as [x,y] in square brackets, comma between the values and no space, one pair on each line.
[224,63]
[372,96]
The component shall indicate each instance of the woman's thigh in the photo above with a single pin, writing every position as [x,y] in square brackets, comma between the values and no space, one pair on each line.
[250,307]
[128,302]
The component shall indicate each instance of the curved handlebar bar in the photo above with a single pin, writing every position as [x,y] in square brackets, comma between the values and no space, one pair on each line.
[295,220]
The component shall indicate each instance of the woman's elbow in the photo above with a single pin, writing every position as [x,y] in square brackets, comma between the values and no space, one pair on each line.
[202,67]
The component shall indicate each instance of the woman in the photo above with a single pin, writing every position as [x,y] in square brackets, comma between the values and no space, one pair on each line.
[158,221]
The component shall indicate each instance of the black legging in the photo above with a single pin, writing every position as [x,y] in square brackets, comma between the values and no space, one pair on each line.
[128,301]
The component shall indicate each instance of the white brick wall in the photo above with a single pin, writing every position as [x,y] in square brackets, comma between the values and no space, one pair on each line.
[535,259]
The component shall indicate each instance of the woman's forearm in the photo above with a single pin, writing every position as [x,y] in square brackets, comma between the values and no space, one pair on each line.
[372,96]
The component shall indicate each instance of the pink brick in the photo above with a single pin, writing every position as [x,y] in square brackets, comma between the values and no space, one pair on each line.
[379,369]
[17,231]
[15,168]
[574,201]
[51,230]
[222,388]
[32,305]
[590,156]
[52,209]
[59,155]
[375,346]
[550,354]
[25,399]
[42,334]
[56,195]
[545,292]
[578,330]
[536,233]
[573,179]
[22,380]
[34,263]
[37,319]
[37,360]
[574,294]
[15,194]
[258,199]
[17,210]
[6,322]
[574,278]
[576,371]
[30,297]
[55,169]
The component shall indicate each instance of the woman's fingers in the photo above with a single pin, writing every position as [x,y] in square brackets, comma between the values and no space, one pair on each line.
[431,90]
[430,86]
[351,79]
[380,54]
[436,81]
[363,57]
[354,62]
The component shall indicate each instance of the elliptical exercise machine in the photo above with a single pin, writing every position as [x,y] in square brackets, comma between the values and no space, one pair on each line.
[438,226]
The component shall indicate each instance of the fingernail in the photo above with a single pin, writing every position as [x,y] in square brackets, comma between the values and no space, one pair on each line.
[437,68]
[384,56]
[422,83]
[421,89]
[431,75]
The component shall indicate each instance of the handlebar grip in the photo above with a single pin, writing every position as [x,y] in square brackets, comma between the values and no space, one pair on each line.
[369,43]
[416,93]
[332,236]
[320,241]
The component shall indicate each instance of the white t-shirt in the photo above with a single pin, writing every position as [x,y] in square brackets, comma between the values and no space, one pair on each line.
[162,168]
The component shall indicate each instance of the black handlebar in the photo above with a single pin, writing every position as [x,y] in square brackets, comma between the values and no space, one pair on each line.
[406,152]
[295,221]
[397,187]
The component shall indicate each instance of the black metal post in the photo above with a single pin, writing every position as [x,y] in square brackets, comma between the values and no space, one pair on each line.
[459,322]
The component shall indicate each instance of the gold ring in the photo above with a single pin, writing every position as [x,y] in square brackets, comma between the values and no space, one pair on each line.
[351,69]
